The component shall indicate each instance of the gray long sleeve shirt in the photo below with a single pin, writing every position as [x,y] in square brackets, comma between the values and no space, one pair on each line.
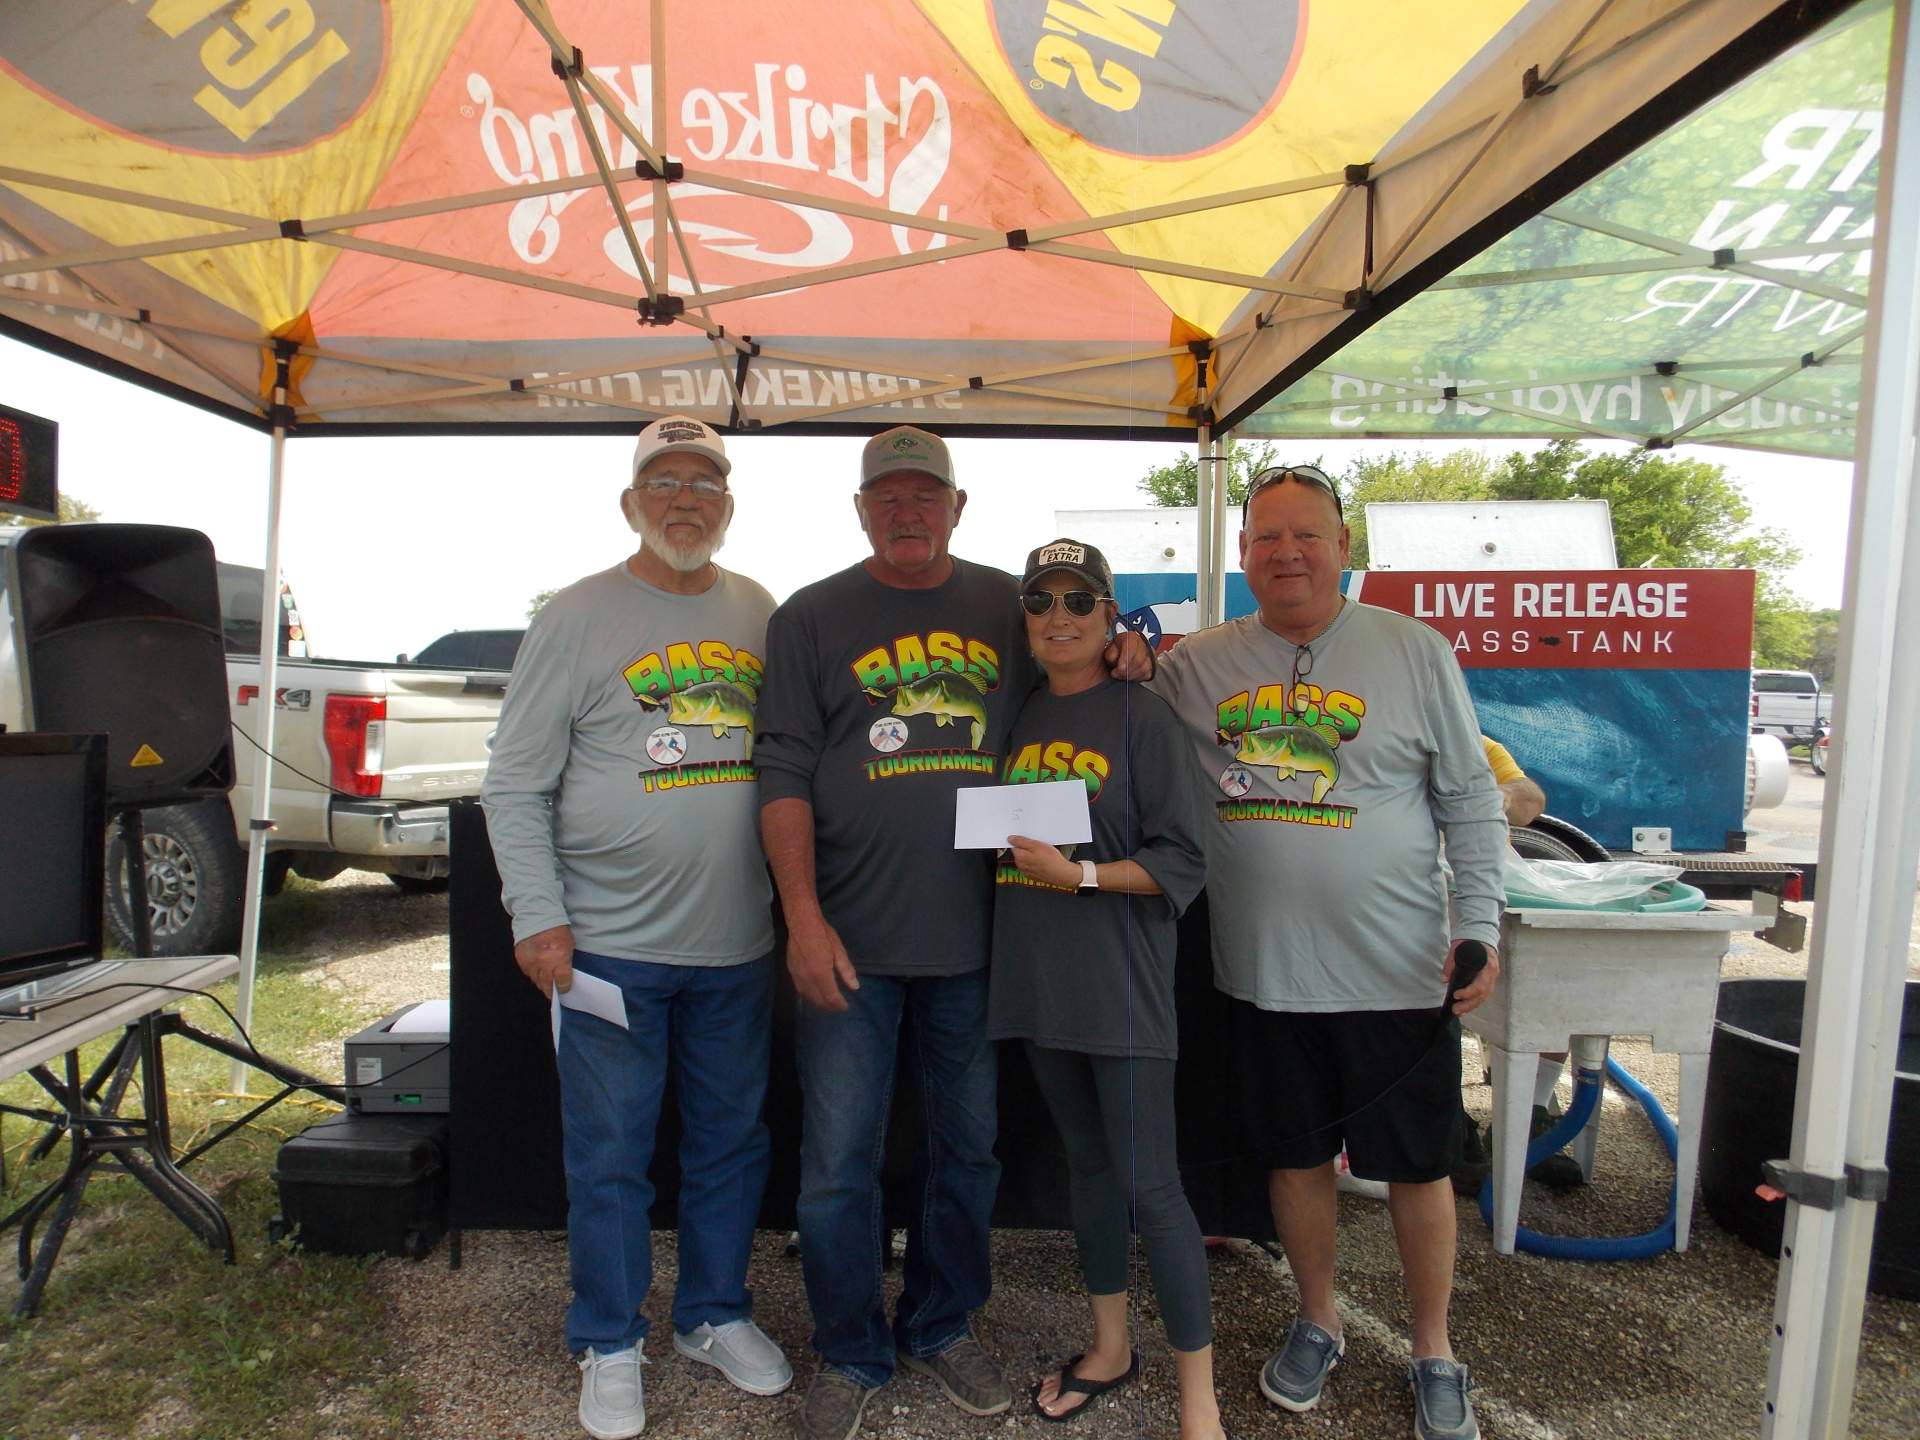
[1323,855]
[621,797]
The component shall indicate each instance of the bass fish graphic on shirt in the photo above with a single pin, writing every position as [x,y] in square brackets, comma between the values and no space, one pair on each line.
[947,695]
[717,704]
[1292,750]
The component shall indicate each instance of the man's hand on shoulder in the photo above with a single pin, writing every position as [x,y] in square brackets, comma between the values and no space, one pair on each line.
[819,963]
[547,959]
[1129,657]
[1476,994]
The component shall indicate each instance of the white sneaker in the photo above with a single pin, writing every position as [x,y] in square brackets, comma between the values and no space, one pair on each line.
[741,1351]
[612,1403]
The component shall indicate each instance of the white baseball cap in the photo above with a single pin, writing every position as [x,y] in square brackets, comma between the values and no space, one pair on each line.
[677,435]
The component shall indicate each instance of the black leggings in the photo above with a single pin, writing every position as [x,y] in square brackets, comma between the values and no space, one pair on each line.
[1115,1117]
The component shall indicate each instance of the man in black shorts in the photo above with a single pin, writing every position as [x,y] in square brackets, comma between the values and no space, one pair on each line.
[1343,745]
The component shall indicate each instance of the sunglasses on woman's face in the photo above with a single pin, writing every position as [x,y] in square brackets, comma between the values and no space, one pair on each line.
[1078,602]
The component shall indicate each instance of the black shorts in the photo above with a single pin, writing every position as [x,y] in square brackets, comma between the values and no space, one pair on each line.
[1386,1083]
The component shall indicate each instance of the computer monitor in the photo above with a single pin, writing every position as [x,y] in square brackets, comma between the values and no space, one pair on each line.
[53,823]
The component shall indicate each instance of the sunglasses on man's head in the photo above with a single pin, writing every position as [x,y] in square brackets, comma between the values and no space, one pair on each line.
[1305,474]
[1078,602]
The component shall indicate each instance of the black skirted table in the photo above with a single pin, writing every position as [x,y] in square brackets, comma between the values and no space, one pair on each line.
[505,1168]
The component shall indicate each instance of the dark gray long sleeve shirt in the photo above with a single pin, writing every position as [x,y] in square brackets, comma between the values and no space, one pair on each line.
[879,705]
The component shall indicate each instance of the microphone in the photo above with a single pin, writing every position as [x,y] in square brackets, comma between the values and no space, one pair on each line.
[1469,959]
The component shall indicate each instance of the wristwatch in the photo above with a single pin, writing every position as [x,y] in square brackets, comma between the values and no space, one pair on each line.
[1089,876]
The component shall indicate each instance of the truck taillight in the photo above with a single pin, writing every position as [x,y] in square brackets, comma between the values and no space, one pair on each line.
[356,730]
[1753,706]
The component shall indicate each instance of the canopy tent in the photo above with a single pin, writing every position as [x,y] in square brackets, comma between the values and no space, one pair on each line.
[1012,215]
[1710,287]
[1089,217]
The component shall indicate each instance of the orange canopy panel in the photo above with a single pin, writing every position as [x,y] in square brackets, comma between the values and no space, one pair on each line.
[1073,215]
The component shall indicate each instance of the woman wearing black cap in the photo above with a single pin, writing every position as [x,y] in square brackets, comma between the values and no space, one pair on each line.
[1083,955]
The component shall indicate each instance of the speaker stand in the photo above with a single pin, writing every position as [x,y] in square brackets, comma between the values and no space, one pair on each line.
[133,844]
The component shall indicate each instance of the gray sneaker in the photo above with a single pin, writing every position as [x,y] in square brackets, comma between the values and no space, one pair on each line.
[1441,1410]
[972,1378]
[612,1399]
[831,1408]
[741,1351]
[1296,1373]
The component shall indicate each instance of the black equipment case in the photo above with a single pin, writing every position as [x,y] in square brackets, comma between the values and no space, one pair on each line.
[365,1185]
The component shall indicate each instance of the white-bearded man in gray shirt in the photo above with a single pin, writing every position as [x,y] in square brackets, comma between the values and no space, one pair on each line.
[623,807]
[1343,745]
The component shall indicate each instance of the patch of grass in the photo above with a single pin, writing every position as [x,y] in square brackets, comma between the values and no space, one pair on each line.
[142,1330]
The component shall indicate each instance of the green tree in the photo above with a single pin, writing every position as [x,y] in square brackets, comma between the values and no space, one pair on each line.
[1782,626]
[533,605]
[1179,483]
[1669,512]
[1823,649]
[72,512]
[1666,512]
[1463,475]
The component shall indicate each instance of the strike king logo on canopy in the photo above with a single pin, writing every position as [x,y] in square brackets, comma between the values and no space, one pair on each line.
[205,75]
[1151,77]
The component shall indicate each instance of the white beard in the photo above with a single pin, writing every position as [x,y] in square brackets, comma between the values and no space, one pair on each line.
[684,558]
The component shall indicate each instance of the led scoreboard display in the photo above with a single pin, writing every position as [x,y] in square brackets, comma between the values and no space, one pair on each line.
[29,465]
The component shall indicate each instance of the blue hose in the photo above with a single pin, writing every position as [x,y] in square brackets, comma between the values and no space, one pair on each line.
[1586,1095]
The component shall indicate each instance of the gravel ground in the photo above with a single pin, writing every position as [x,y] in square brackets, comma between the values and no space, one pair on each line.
[1675,1346]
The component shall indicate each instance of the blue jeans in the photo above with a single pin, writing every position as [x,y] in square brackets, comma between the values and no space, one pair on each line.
[715,1026]
[846,1062]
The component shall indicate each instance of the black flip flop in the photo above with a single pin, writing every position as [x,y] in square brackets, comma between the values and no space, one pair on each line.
[1072,1384]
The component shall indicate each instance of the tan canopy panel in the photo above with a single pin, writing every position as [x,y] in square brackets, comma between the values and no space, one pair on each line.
[1079,216]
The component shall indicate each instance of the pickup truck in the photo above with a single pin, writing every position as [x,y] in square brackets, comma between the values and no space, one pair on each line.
[1788,704]
[369,756]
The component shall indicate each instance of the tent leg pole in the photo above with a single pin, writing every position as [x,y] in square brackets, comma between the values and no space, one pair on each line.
[1207,540]
[1217,578]
[1870,841]
[263,758]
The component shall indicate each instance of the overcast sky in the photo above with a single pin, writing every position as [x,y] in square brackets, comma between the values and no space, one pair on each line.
[388,543]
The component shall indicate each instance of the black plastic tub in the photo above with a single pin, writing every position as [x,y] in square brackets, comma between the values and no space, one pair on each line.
[1749,1120]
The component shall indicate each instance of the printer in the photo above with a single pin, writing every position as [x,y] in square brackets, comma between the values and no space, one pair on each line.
[398,1064]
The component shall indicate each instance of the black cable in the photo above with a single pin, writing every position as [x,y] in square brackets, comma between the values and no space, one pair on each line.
[295,770]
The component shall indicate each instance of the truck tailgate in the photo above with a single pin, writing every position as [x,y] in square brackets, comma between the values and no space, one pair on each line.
[440,724]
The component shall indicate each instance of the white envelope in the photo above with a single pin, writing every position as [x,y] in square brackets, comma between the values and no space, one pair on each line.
[590,995]
[1056,812]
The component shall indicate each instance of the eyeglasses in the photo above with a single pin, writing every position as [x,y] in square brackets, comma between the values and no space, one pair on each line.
[663,487]
[1302,667]
[1078,602]
[1305,474]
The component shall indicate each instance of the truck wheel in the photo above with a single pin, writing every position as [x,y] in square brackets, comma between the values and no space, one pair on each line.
[421,884]
[196,881]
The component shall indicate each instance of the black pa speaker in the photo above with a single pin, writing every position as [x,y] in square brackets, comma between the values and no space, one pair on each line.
[118,632]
